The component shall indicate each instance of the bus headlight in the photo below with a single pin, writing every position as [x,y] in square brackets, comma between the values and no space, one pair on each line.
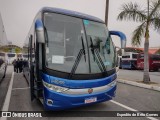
[113,83]
[55,87]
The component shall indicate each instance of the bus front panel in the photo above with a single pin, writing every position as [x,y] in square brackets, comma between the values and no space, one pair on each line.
[61,93]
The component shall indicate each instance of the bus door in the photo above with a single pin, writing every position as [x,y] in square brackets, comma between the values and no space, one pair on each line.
[38,67]
[31,66]
[35,55]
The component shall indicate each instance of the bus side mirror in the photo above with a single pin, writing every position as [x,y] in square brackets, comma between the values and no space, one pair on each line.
[122,37]
[123,44]
[39,31]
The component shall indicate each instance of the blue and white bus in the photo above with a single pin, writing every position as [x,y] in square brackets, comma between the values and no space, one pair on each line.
[11,57]
[129,60]
[72,59]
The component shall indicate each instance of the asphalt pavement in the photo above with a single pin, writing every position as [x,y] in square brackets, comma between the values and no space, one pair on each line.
[137,75]
[127,98]
[4,83]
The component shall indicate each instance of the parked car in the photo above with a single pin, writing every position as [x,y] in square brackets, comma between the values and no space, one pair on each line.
[3,67]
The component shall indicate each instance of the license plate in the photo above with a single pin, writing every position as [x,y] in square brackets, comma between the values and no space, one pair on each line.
[90,100]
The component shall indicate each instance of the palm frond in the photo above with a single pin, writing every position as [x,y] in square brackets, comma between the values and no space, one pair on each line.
[132,11]
[138,34]
[154,8]
[155,22]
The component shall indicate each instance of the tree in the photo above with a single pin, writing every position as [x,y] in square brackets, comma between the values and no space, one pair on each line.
[149,18]
[18,50]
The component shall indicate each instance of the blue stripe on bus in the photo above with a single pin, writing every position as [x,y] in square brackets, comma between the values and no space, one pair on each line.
[78,83]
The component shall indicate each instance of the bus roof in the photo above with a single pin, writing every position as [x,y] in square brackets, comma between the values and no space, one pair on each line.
[71,13]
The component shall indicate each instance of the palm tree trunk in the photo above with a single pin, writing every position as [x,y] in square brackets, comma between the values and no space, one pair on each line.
[146,77]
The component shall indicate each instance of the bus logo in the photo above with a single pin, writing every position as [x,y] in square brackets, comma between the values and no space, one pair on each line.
[90,90]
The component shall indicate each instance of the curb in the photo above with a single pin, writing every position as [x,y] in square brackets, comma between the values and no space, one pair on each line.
[151,87]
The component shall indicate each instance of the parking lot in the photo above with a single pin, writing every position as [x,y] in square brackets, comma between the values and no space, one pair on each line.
[137,75]
[128,97]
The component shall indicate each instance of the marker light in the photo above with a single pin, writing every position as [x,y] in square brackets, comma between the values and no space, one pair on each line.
[112,84]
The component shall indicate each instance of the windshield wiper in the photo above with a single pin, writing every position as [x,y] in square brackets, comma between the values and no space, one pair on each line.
[78,59]
[83,48]
[97,57]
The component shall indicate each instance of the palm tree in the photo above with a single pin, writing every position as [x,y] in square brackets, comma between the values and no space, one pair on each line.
[148,17]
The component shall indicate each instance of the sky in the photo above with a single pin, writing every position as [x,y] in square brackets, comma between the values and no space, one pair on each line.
[128,27]
[18,16]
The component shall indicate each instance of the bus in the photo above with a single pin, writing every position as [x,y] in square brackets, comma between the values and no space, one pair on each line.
[154,62]
[72,59]
[129,60]
[11,57]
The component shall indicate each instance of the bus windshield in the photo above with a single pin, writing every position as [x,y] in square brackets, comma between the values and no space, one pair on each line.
[67,37]
[11,55]
[126,56]
[155,57]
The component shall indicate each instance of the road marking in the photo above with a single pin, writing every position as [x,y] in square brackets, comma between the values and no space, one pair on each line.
[21,88]
[129,108]
[8,97]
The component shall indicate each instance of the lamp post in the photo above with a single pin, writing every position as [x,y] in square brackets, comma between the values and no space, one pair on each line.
[106,12]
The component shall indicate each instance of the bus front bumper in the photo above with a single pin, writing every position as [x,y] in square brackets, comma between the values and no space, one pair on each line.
[60,101]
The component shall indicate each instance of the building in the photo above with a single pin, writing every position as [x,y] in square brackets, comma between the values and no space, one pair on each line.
[152,50]
[3,36]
